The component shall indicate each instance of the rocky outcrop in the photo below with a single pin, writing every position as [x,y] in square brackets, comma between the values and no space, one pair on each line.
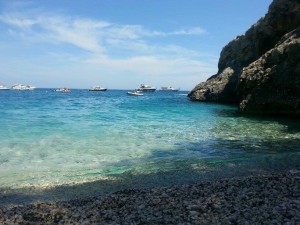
[272,83]
[264,36]
[217,88]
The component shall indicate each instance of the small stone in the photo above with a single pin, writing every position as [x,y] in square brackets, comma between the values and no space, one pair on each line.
[194,213]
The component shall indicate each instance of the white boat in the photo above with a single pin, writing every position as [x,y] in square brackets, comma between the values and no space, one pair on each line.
[169,89]
[145,87]
[18,87]
[21,87]
[97,88]
[135,93]
[4,88]
[30,87]
[64,90]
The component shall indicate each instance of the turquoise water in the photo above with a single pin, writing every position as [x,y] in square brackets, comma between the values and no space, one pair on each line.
[49,138]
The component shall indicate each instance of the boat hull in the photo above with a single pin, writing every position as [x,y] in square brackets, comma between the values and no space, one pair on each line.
[134,93]
[103,89]
[147,89]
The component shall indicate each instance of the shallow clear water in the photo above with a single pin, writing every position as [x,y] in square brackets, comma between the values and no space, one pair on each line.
[49,138]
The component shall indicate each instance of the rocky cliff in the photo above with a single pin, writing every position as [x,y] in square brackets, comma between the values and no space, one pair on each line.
[271,84]
[260,70]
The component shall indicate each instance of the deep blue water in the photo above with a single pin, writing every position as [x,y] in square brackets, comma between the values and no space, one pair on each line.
[49,138]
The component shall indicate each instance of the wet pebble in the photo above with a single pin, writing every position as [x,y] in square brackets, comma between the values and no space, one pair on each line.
[251,200]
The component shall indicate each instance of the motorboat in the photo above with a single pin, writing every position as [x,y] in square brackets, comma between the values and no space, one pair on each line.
[21,87]
[30,87]
[18,87]
[97,88]
[135,93]
[169,89]
[145,87]
[4,88]
[64,90]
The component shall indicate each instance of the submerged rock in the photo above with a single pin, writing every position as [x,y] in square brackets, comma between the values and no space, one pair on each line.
[249,56]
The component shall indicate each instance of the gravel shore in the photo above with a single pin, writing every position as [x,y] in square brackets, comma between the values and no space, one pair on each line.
[273,199]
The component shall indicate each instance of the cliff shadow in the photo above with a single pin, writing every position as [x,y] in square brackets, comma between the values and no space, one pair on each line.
[290,125]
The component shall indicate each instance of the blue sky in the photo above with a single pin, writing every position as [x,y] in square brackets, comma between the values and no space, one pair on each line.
[118,44]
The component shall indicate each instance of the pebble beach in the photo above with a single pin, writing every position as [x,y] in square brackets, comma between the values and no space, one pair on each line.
[263,199]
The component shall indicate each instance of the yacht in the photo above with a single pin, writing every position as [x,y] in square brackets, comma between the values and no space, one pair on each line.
[135,93]
[30,87]
[97,88]
[3,88]
[145,87]
[21,87]
[169,89]
[64,90]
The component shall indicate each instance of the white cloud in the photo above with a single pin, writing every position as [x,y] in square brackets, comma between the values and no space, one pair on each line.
[56,29]
[190,31]
[153,65]
[83,33]
[115,48]
[15,21]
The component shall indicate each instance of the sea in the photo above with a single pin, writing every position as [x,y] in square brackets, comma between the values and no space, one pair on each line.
[51,139]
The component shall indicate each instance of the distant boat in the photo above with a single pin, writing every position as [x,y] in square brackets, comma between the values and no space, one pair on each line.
[18,87]
[4,88]
[21,87]
[169,89]
[135,93]
[64,90]
[145,87]
[30,87]
[97,88]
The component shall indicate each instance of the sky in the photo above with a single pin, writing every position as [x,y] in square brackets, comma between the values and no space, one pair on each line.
[118,44]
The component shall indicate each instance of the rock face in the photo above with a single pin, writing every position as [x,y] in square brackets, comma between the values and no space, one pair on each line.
[260,70]
[272,83]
